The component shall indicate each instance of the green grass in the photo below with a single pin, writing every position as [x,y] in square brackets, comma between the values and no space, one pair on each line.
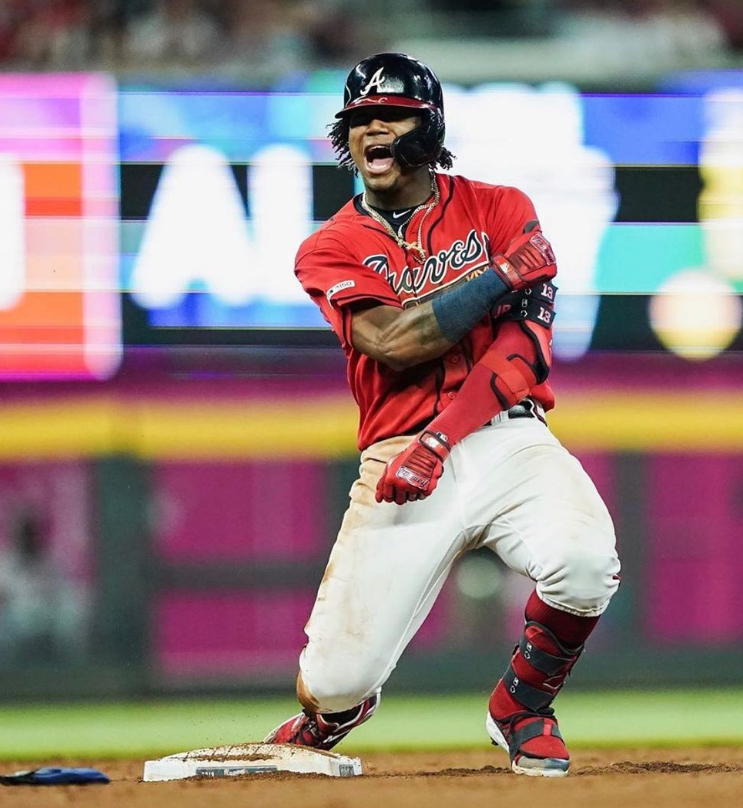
[672,718]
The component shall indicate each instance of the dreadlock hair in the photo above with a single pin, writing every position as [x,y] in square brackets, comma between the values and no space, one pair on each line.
[339,138]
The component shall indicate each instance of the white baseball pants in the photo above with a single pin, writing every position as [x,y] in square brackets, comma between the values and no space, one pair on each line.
[511,487]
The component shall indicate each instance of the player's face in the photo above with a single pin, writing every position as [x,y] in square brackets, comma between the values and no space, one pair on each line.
[371,133]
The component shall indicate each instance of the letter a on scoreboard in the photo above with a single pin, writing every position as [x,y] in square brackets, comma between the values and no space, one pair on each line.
[59,302]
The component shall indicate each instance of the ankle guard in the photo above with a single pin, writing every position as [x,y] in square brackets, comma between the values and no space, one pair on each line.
[539,667]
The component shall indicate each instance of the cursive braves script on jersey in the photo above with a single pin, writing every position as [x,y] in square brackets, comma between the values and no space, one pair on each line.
[463,259]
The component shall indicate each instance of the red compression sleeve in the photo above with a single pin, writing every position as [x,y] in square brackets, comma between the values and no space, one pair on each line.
[474,406]
[499,380]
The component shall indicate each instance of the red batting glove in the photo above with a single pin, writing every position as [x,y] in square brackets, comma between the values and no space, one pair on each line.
[528,260]
[414,473]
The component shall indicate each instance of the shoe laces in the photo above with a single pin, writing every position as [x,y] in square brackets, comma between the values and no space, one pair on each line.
[508,724]
[319,728]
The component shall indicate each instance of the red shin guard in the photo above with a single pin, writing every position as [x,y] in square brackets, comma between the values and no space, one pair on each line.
[521,702]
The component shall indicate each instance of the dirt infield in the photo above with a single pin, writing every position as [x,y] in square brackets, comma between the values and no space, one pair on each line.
[659,778]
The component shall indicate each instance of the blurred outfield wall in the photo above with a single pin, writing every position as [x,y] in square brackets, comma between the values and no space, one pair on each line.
[176,437]
[167,530]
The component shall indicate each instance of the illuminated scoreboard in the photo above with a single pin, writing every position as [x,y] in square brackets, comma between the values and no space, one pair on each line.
[187,208]
[59,299]
[640,196]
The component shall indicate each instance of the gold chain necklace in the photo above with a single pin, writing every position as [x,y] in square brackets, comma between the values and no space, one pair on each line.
[416,246]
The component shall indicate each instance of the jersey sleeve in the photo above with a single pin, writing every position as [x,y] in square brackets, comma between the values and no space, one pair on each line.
[335,280]
[508,211]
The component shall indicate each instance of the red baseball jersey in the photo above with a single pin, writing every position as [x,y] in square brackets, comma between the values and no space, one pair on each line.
[352,258]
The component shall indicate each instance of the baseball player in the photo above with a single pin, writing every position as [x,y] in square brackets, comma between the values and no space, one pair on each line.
[440,291]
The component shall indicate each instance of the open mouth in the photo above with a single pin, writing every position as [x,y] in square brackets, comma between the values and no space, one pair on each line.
[378,159]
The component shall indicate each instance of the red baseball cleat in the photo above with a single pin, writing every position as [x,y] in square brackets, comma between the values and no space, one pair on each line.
[533,743]
[323,730]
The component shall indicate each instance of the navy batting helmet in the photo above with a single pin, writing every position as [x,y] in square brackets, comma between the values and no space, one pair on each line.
[398,80]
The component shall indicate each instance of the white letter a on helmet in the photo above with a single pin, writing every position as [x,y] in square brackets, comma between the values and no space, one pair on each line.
[377,80]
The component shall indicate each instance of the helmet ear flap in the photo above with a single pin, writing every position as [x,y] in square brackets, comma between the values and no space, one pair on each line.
[423,144]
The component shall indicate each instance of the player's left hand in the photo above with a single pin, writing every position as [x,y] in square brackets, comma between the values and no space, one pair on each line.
[414,473]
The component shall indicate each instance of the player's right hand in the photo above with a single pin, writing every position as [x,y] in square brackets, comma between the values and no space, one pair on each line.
[528,259]
[414,473]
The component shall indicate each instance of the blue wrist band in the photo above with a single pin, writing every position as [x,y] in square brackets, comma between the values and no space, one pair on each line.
[458,311]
